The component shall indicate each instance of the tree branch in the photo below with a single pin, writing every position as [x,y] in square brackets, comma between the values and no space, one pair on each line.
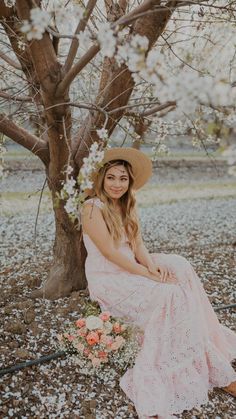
[94,49]
[24,138]
[80,28]
[15,98]
[9,61]
[69,77]
[152,110]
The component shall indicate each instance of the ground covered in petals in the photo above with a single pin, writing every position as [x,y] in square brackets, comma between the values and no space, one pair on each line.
[198,223]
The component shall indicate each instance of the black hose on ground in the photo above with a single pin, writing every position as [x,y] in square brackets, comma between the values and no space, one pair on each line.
[59,354]
[25,364]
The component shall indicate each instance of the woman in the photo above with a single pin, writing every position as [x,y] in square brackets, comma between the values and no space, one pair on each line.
[185,350]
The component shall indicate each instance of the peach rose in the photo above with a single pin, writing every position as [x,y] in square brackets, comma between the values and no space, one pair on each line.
[105,315]
[118,342]
[96,362]
[92,338]
[80,323]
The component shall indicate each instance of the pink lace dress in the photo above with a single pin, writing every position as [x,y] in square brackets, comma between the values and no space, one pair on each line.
[185,350]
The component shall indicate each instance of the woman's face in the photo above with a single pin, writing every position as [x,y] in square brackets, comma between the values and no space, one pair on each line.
[116,181]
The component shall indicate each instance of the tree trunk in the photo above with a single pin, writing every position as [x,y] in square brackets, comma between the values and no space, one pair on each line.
[67,273]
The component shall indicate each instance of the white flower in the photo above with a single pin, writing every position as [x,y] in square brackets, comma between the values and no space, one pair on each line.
[21,45]
[86,184]
[106,40]
[102,133]
[84,39]
[69,170]
[107,327]
[35,28]
[94,322]
[70,206]
[10,3]
[69,186]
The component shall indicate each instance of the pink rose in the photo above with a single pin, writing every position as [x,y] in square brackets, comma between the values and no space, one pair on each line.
[106,340]
[102,354]
[92,338]
[117,327]
[70,337]
[86,352]
[105,315]
[80,323]
[82,332]
[80,347]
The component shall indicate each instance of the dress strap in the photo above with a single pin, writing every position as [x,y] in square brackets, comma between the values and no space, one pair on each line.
[95,201]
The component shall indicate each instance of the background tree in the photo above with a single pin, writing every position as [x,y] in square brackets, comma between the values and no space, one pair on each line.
[76,88]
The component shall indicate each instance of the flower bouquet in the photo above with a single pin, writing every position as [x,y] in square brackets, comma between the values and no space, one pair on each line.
[100,344]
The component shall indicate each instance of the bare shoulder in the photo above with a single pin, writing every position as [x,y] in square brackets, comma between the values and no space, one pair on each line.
[93,202]
[93,224]
[91,214]
[90,208]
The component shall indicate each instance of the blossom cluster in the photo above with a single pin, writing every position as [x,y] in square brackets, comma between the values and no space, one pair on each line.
[106,39]
[133,52]
[9,3]
[101,342]
[36,26]
[73,189]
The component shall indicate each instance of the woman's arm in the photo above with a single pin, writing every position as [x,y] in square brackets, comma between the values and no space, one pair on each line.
[94,225]
[141,253]
[143,256]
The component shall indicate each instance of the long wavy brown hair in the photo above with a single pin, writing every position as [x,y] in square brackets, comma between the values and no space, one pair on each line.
[128,219]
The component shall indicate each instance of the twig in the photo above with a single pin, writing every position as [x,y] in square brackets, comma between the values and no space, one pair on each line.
[37,215]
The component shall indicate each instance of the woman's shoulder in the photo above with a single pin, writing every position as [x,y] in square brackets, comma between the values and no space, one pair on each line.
[94,201]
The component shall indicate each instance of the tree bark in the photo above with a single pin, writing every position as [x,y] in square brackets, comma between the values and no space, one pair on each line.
[67,273]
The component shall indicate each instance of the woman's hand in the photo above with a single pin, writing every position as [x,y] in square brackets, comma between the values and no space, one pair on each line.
[161,273]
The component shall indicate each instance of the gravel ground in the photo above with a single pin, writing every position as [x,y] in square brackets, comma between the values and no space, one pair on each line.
[203,230]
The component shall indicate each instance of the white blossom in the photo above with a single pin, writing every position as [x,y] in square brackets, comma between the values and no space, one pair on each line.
[70,206]
[133,53]
[39,21]
[69,186]
[103,134]
[9,3]
[106,40]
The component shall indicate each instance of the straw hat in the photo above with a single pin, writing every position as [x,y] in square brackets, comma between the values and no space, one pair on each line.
[141,164]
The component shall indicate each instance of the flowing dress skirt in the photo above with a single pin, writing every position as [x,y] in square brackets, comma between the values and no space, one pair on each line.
[185,351]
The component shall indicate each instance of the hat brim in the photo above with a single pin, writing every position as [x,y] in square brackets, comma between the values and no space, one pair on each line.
[141,164]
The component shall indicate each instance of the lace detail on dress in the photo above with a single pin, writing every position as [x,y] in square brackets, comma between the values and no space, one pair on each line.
[95,201]
[185,351]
